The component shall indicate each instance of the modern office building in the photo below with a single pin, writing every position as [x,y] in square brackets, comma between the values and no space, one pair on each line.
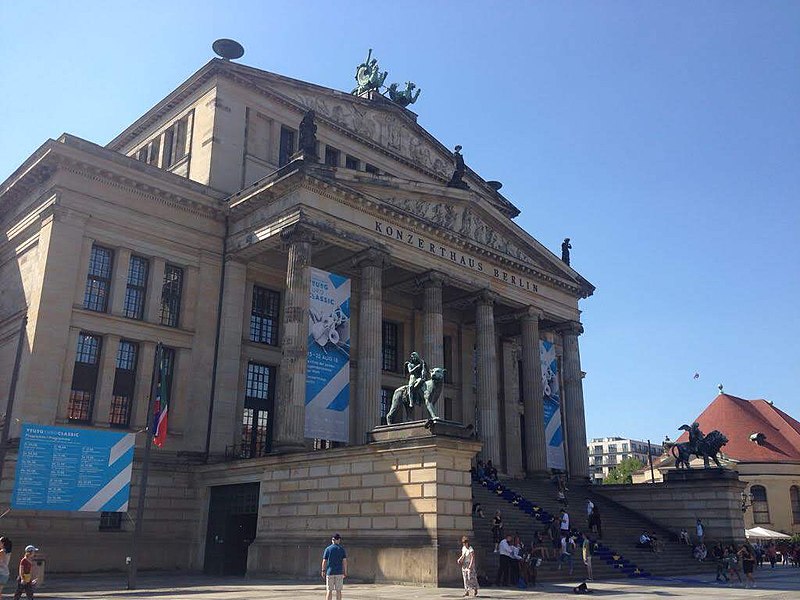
[608,452]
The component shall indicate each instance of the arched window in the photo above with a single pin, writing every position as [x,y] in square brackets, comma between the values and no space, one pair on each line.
[760,506]
[794,496]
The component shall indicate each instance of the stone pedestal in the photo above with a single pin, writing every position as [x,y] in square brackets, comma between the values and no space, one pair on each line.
[713,495]
[401,504]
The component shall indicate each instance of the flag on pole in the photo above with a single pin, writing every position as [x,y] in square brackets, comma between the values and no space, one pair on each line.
[161,406]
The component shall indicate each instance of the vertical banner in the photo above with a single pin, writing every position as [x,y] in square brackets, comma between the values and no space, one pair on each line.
[66,468]
[551,395]
[328,371]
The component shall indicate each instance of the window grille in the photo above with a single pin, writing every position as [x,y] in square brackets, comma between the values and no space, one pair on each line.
[98,281]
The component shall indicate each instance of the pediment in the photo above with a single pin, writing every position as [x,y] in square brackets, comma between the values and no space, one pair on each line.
[382,124]
[474,225]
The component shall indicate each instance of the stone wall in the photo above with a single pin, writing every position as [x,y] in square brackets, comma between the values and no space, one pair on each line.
[73,542]
[401,507]
[711,495]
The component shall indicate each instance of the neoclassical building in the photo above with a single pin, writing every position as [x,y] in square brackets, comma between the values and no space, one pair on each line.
[197,227]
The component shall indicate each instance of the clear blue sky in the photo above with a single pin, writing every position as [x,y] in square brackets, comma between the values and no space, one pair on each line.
[662,137]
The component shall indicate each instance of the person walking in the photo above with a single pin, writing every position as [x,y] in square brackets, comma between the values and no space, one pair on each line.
[699,531]
[586,552]
[25,581]
[564,523]
[468,570]
[5,560]
[597,522]
[566,553]
[497,530]
[589,513]
[748,564]
[334,567]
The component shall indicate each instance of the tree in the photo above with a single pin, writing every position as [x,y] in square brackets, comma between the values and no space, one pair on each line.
[623,472]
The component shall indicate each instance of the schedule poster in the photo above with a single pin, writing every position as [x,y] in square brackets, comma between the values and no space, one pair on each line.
[67,468]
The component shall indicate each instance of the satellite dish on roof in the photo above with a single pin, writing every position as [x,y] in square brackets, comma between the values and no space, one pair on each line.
[227,49]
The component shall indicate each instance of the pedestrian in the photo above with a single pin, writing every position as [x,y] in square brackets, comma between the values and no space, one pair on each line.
[589,513]
[506,558]
[25,581]
[587,549]
[566,554]
[564,523]
[497,530]
[721,563]
[597,522]
[468,570]
[5,559]
[748,563]
[334,567]
[700,531]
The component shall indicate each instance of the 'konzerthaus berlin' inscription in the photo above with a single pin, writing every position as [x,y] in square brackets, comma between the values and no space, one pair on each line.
[410,238]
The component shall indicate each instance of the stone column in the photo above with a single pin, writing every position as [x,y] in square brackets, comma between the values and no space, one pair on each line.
[535,440]
[511,409]
[432,325]
[370,342]
[224,428]
[290,406]
[578,453]
[488,423]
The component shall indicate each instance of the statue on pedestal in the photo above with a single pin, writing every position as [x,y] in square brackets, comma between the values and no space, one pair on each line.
[565,248]
[457,180]
[423,389]
[699,445]
[307,137]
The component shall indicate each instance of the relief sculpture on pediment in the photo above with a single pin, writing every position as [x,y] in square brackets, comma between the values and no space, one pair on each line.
[465,222]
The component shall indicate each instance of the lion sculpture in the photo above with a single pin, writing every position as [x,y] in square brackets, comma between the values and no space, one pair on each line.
[707,447]
[432,389]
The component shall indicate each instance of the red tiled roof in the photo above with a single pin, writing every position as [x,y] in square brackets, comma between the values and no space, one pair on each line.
[738,419]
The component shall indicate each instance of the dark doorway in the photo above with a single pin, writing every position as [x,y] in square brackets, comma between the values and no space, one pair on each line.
[232,518]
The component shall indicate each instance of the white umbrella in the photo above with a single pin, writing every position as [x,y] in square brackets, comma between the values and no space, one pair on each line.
[763,533]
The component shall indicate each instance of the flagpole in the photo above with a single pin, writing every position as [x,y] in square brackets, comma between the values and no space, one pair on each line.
[133,566]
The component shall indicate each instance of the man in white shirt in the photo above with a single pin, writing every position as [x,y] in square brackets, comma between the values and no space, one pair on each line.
[508,555]
[589,511]
[564,527]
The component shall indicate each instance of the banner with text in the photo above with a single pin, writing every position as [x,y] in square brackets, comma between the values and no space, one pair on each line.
[328,371]
[67,468]
[551,393]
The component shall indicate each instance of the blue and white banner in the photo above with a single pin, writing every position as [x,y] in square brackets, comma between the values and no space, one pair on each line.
[328,370]
[67,468]
[551,395]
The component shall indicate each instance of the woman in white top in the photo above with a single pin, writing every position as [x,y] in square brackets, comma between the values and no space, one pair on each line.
[468,570]
[5,557]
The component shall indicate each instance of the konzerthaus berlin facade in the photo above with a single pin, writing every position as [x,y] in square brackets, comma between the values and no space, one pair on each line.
[197,227]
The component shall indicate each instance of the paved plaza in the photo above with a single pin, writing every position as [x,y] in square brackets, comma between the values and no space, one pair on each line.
[782,583]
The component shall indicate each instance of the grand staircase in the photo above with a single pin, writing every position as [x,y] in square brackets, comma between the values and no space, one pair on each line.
[528,505]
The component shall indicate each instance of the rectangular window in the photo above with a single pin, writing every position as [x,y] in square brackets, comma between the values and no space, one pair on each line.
[124,382]
[624,447]
[286,146]
[110,521]
[386,403]
[264,316]
[598,449]
[171,295]
[372,169]
[331,156]
[391,346]
[257,418]
[84,378]
[448,409]
[175,139]
[138,268]
[98,281]
[447,351]
[612,448]
[152,152]
[351,162]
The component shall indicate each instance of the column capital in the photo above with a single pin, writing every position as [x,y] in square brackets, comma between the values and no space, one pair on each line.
[299,232]
[485,297]
[372,257]
[531,313]
[570,328]
[431,279]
